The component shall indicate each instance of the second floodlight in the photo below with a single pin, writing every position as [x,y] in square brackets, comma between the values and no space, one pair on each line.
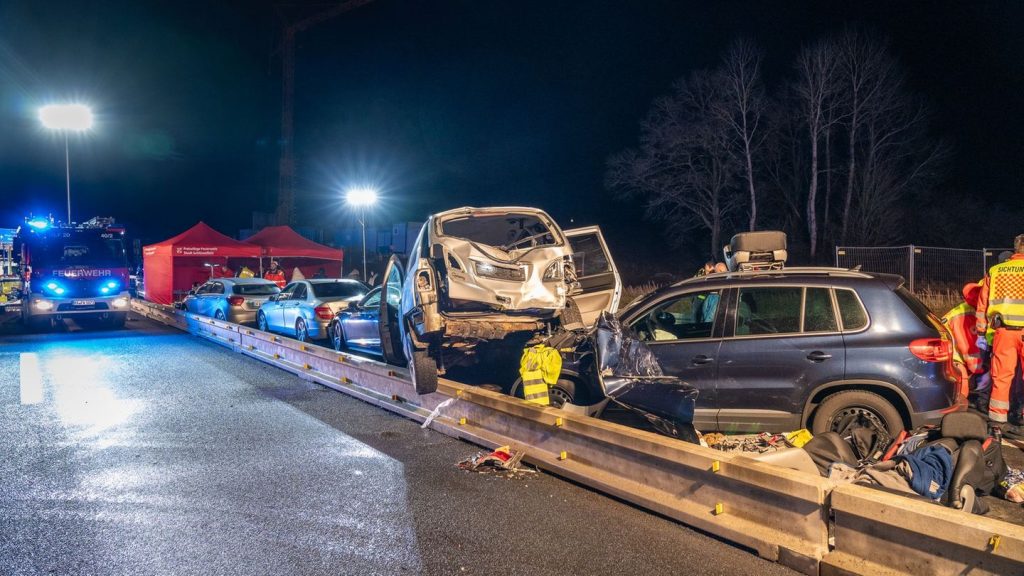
[361,196]
[74,117]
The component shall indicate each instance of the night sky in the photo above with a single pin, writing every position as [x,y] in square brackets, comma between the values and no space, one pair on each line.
[439,103]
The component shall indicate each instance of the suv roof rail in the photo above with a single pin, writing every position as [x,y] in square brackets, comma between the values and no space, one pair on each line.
[796,270]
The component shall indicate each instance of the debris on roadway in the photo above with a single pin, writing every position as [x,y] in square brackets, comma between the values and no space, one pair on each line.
[503,460]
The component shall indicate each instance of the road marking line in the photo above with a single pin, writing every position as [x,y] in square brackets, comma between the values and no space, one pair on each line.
[31,378]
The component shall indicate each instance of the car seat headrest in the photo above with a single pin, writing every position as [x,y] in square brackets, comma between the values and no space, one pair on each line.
[964,426]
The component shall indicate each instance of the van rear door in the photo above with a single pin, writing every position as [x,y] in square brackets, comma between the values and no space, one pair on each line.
[596,271]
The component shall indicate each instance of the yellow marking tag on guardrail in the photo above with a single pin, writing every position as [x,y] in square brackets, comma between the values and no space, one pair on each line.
[719,509]
[563,455]
[993,542]
[716,466]
[559,422]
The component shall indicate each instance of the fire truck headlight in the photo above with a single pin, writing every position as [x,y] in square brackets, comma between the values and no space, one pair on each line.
[43,305]
[120,303]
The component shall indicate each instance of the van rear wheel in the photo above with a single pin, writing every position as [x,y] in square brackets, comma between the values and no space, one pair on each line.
[422,368]
[843,411]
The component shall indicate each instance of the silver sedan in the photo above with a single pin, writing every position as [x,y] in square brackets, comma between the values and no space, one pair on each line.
[233,299]
[305,308]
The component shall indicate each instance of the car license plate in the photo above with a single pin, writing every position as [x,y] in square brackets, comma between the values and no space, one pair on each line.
[83,302]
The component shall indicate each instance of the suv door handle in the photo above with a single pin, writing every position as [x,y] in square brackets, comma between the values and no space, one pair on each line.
[702,359]
[818,356]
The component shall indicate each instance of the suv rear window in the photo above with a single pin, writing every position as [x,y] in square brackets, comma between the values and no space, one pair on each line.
[819,316]
[850,310]
[918,308]
[768,311]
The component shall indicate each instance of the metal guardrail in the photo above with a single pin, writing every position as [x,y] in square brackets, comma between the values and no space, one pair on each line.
[782,514]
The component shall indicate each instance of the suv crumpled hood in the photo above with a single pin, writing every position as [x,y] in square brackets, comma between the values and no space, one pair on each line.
[465,282]
[630,375]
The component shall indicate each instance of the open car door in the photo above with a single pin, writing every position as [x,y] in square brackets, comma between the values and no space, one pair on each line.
[596,271]
[390,306]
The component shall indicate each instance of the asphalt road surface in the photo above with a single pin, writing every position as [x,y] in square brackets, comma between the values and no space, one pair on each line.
[149,451]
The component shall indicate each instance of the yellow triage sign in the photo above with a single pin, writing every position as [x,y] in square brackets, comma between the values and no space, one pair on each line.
[539,368]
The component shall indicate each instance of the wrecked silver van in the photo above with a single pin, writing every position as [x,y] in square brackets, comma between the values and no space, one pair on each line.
[485,274]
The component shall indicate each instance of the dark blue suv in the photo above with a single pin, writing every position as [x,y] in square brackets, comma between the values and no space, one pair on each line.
[821,348]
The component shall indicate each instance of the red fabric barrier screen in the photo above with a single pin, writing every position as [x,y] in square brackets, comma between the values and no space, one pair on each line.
[292,250]
[171,267]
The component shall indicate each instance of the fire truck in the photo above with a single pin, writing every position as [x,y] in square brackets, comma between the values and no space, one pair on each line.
[77,271]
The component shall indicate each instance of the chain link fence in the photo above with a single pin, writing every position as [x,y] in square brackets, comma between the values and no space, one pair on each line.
[926,268]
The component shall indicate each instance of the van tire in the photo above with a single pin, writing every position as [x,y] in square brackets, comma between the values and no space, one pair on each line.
[422,369]
[841,407]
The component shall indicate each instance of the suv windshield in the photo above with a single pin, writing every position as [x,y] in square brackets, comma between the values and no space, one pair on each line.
[506,231]
[255,289]
[79,249]
[337,289]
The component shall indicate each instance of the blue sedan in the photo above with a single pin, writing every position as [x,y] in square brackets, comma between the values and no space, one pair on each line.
[358,326]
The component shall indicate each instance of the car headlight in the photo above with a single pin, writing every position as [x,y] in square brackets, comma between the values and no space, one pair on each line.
[120,303]
[553,272]
[489,270]
[43,305]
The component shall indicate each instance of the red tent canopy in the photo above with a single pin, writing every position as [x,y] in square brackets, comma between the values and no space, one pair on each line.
[171,267]
[292,250]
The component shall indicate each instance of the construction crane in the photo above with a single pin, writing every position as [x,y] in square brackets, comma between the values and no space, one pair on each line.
[286,167]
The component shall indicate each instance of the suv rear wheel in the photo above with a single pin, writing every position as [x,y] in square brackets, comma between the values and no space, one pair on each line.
[844,410]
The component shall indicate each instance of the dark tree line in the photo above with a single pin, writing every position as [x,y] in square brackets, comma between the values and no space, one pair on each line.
[832,155]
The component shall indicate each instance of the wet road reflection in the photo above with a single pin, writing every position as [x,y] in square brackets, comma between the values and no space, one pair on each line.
[149,451]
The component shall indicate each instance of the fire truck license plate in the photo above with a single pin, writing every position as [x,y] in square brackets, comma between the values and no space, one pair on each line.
[83,302]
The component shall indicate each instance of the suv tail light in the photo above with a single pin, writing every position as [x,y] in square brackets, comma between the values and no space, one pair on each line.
[236,300]
[932,349]
[324,312]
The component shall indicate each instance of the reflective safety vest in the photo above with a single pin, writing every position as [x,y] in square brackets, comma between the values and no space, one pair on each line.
[960,323]
[1006,293]
[275,277]
[539,368]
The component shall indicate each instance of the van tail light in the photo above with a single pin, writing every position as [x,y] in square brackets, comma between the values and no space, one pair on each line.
[932,349]
[324,312]
[236,300]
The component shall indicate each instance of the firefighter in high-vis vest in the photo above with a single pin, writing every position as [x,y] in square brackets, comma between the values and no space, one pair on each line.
[539,368]
[1001,307]
[967,356]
